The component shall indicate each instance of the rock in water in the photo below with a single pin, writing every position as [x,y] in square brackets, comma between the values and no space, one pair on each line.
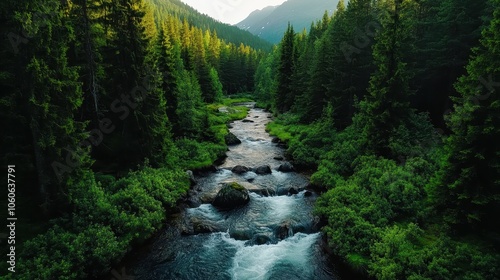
[232,195]
[286,167]
[231,139]
[293,190]
[284,230]
[205,226]
[239,169]
[247,121]
[262,170]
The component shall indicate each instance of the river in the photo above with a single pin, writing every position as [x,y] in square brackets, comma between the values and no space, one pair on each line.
[275,236]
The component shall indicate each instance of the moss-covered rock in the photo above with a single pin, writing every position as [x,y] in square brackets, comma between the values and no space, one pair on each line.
[232,195]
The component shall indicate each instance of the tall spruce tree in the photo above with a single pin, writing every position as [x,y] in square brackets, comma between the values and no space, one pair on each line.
[387,105]
[467,187]
[286,68]
[55,96]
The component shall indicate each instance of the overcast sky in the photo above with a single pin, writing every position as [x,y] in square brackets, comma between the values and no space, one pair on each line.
[230,11]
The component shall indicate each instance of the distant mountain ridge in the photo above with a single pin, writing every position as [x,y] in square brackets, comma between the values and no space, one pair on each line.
[271,22]
[227,32]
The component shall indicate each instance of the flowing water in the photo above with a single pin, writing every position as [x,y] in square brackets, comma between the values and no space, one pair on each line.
[275,236]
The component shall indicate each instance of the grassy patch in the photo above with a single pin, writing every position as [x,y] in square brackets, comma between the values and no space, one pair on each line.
[285,127]
[237,113]
[279,130]
[231,101]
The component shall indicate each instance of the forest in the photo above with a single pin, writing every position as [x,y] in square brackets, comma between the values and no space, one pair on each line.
[393,106]
[104,108]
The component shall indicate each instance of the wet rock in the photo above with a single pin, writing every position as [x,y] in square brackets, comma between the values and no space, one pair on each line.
[192,180]
[232,195]
[275,140]
[293,190]
[207,197]
[256,117]
[193,202]
[308,194]
[263,170]
[264,191]
[231,139]
[284,230]
[229,126]
[279,158]
[250,180]
[239,169]
[241,233]
[261,239]
[286,167]
[247,121]
[205,226]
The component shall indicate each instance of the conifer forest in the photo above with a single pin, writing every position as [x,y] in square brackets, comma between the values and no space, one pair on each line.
[369,143]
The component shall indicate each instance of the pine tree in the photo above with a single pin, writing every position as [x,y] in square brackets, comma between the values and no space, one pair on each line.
[284,100]
[387,105]
[467,188]
[169,64]
[55,96]
[447,30]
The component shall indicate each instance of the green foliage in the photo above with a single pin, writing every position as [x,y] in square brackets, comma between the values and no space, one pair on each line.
[196,155]
[387,105]
[60,254]
[132,208]
[284,94]
[467,186]
[284,127]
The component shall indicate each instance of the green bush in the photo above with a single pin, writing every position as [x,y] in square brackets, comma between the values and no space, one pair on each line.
[132,208]
[61,254]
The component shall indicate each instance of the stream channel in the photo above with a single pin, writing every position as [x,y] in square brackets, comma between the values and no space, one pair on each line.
[274,236]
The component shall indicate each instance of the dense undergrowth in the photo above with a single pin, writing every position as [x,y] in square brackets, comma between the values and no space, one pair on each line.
[110,215]
[378,211]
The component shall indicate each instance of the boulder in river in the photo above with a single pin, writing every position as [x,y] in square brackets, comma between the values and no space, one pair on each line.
[232,195]
[275,140]
[263,170]
[231,139]
[247,121]
[284,230]
[205,226]
[192,202]
[239,169]
[286,167]
[293,190]
[280,158]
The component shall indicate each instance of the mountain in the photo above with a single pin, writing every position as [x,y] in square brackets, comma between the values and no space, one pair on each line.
[256,17]
[229,33]
[270,23]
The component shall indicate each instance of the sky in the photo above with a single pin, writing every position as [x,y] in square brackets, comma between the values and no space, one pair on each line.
[230,11]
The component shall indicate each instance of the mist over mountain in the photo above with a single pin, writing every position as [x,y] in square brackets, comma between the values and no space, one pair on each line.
[270,23]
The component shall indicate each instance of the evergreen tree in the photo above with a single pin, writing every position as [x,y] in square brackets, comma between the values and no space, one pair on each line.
[284,99]
[467,188]
[447,30]
[55,96]
[387,105]
[169,64]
